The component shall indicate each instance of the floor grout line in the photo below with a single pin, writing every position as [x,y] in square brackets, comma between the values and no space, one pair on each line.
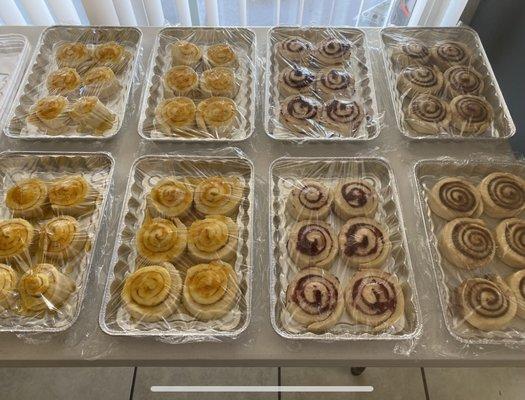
[424,378]
[132,388]
[279,382]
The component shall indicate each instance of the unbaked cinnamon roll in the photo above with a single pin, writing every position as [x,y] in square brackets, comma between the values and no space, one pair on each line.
[73,55]
[300,113]
[331,82]
[219,81]
[62,238]
[294,80]
[417,79]
[161,240]
[17,237]
[503,194]
[185,53]
[221,55]
[217,116]
[51,114]
[460,79]
[112,55]
[27,199]
[516,283]
[446,54]
[93,116]
[471,115]
[510,236]
[294,49]
[8,285]
[428,114]
[332,51]
[170,198]
[410,53]
[355,198]
[63,81]
[309,199]
[176,115]
[180,81]
[219,195]
[312,244]
[314,299]
[454,198]
[72,195]
[342,116]
[213,238]
[101,82]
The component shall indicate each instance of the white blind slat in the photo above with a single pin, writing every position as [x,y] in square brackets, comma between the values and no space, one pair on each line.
[64,11]
[300,12]
[10,13]
[212,12]
[183,9]
[101,12]
[277,16]
[38,12]
[154,12]
[126,15]
[243,15]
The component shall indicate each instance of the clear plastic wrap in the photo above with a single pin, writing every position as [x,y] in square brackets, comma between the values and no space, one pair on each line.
[182,264]
[318,206]
[200,86]
[443,86]
[78,84]
[474,253]
[52,204]
[319,85]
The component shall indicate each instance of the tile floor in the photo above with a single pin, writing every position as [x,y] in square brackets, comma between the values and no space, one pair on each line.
[130,383]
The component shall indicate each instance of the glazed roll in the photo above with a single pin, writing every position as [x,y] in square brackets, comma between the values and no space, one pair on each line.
[342,116]
[170,198]
[332,51]
[213,238]
[176,115]
[17,237]
[516,283]
[101,82]
[217,115]
[44,288]
[63,81]
[453,198]
[470,115]
[460,79]
[152,293]
[503,194]
[294,80]
[210,290]
[185,53]
[73,55]
[112,55]
[219,195]
[312,244]
[510,237]
[162,240]
[72,195]
[221,55]
[375,298]
[51,114]
[8,286]
[331,82]
[180,81]
[487,304]
[300,113]
[295,49]
[446,54]
[62,238]
[428,114]
[27,199]
[410,53]
[92,115]
[219,81]
[418,79]
[314,299]
[309,199]
[467,243]
[355,198]
[364,243]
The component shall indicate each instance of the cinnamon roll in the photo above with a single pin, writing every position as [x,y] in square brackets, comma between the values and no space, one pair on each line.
[417,79]
[217,115]
[219,81]
[44,288]
[342,116]
[410,53]
[112,55]
[176,115]
[63,81]
[364,243]
[314,299]
[101,82]
[219,195]
[180,81]
[487,304]
[93,116]
[503,194]
[62,238]
[73,55]
[516,283]
[170,198]
[51,114]
[331,82]
[470,115]
[300,113]
[295,79]
[152,293]
[213,238]
[453,198]
[185,53]
[27,199]
[210,290]
[375,298]
[460,79]
[467,243]
[446,54]
[355,198]
[8,284]
[72,195]
[161,240]
[221,55]
[312,244]
[428,114]
[309,199]
[332,51]
[17,237]
[510,237]
[294,49]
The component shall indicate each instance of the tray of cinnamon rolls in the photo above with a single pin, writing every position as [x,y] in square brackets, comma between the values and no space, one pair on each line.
[50,213]
[77,85]
[474,214]
[443,86]
[319,85]
[200,86]
[182,263]
[340,268]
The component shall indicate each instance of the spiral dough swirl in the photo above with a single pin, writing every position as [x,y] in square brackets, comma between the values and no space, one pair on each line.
[373,295]
[473,240]
[364,240]
[301,107]
[295,46]
[457,196]
[344,112]
[515,237]
[311,195]
[415,50]
[334,49]
[298,77]
[421,75]
[451,52]
[472,109]
[464,80]
[486,298]
[336,79]
[315,295]
[428,108]
[506,192]
[314,240]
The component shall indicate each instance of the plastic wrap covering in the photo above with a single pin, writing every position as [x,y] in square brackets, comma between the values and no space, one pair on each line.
[319,85]
[200,86]
[182,264]
[473,213]
[442,85]
[52,205]
[340,268]
[78,85]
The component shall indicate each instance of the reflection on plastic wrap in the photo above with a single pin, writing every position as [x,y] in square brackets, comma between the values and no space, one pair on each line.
[52,206]
[473,214]
[182,263]
[442,85]
[340,268]
[78,84]
[319,85]
[200,86]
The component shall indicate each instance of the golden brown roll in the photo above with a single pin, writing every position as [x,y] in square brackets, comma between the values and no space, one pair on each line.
[185,53]
[217,115]
[63,81]
[8,286]
[180,80]
[101,82]
[219,81]
[51,114]
[219,195]
[161,240]
[62,238]
[27,199]
[221,55]
[92,115]
[73,55]
[72,195]
[17,237]
[169,198]
[176,115]
[112,55]
[213,238]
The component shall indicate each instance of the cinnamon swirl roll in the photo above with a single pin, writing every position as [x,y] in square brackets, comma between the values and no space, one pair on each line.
[217,115]
[185,53]
[516,283]
[63,81]
[375,298]
[331,82]
[73,55]
[454,198]
[221,55]
[72,195]
[17,237]
[446,54]
[219,81]
[510,237]
[51,114]
[180,81]
[428,114]
[101,82]
[294,49]
[8,284]
[467,243]
[300,113]
[152,293]
[27,199]
[161,240]
[93,116]
[355,198]
[219,195]
[470,115]
[176,115]
[312,244]
[309,199]
[417,79]
[364,243]
[213,238]
[314,299]
[487,304]
[503,194]
[410,53]
[460,79]
[342,116]
[62,238]
[112,55]
[170,198]
[332,51]
[294,80]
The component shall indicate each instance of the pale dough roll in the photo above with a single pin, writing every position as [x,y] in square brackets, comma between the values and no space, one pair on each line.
[355,198]
[428,114]
[176,115]
[418,79]
[503,195]
[112,55]
[213,238]
[92,115]
[217,115]
[17,237]
[300,113]
[470,115]
[294,48]
[221,55]
[72,195]
[295,79]
[185,53]
[51,114]
[460,79]
[219,81]
[8,285]
[27,199]
[332,51]
[180,80]
[62,238]
[73,55]
[101,82]
[331,82]
[510,237]
[63,81]
[453,198]
[219,195]
[410,53]
[161,240]
[516,283]
[169,198]
[448,53]
[309,199]
[342,116]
